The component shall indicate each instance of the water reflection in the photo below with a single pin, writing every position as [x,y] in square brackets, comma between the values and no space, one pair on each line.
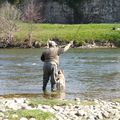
[56,95]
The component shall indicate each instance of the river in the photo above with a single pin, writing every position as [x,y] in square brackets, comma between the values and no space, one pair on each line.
[89,73]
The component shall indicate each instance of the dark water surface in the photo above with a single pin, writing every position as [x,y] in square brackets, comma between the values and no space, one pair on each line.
[90,73]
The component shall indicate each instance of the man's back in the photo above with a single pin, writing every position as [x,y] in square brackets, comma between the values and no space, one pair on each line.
[52,54]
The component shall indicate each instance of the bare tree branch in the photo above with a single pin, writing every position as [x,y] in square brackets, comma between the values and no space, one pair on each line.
[8,16]
[31,13]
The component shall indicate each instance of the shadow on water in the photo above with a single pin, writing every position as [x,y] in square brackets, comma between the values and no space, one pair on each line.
[54,95]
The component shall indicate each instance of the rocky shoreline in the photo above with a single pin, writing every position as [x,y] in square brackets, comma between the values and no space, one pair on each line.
[99,110]
[38,44]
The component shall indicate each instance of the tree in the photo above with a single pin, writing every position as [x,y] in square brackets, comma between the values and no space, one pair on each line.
[14,1]
[31,14]
[8,16]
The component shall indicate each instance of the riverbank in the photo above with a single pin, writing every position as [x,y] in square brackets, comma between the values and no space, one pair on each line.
[83,35]
[43,109]
[37,44]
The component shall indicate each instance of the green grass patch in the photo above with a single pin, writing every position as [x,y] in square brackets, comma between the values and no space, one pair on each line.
[116,100]
[40,115]
[51,102]
[37,114]
[34,102]
[66,32]
[84,103]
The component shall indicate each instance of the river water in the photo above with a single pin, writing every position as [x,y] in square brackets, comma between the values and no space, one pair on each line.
[89,73]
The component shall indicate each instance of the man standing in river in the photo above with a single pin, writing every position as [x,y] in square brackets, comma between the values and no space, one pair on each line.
[50,57]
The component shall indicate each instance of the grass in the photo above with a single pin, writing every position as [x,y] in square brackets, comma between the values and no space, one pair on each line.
[116,100]
[40,115]
[51,102]
[65,32]
[37,114]
[34,102]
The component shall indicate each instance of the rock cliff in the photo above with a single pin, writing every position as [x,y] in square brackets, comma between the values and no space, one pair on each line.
[80,11]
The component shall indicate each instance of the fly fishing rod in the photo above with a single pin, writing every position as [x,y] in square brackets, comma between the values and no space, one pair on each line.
[76,33]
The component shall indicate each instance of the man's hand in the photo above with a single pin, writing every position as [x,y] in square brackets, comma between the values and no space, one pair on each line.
[71,43]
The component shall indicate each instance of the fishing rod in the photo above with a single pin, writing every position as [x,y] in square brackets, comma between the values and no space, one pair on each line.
[75,35]
[76,31]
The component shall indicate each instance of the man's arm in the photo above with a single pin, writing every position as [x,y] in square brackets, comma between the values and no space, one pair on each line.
[64,49]
[67,46]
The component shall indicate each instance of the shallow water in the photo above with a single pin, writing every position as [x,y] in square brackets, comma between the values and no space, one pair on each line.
[89,73]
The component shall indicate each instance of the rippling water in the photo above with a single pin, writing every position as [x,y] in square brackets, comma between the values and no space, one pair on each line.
[89,73]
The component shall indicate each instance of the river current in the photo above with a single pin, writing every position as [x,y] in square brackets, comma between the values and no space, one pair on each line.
[89,73]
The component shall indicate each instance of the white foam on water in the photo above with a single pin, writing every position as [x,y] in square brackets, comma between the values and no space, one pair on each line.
[34,64]
[18,64]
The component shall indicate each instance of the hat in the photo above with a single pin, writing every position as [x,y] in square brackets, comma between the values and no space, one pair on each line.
[52,43]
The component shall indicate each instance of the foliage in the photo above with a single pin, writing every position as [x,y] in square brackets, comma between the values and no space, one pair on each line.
[30,14]
[30,11]
[79,33]
[8,16]
[15,1]
[9,12]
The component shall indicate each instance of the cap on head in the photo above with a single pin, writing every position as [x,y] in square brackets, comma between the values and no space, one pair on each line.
[52,43]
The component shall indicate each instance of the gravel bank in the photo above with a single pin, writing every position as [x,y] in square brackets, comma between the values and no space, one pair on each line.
[100,110]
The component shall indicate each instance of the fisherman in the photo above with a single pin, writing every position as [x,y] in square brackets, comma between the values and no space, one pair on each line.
[50,57]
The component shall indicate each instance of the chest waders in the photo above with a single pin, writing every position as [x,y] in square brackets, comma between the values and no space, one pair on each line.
[49,72]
